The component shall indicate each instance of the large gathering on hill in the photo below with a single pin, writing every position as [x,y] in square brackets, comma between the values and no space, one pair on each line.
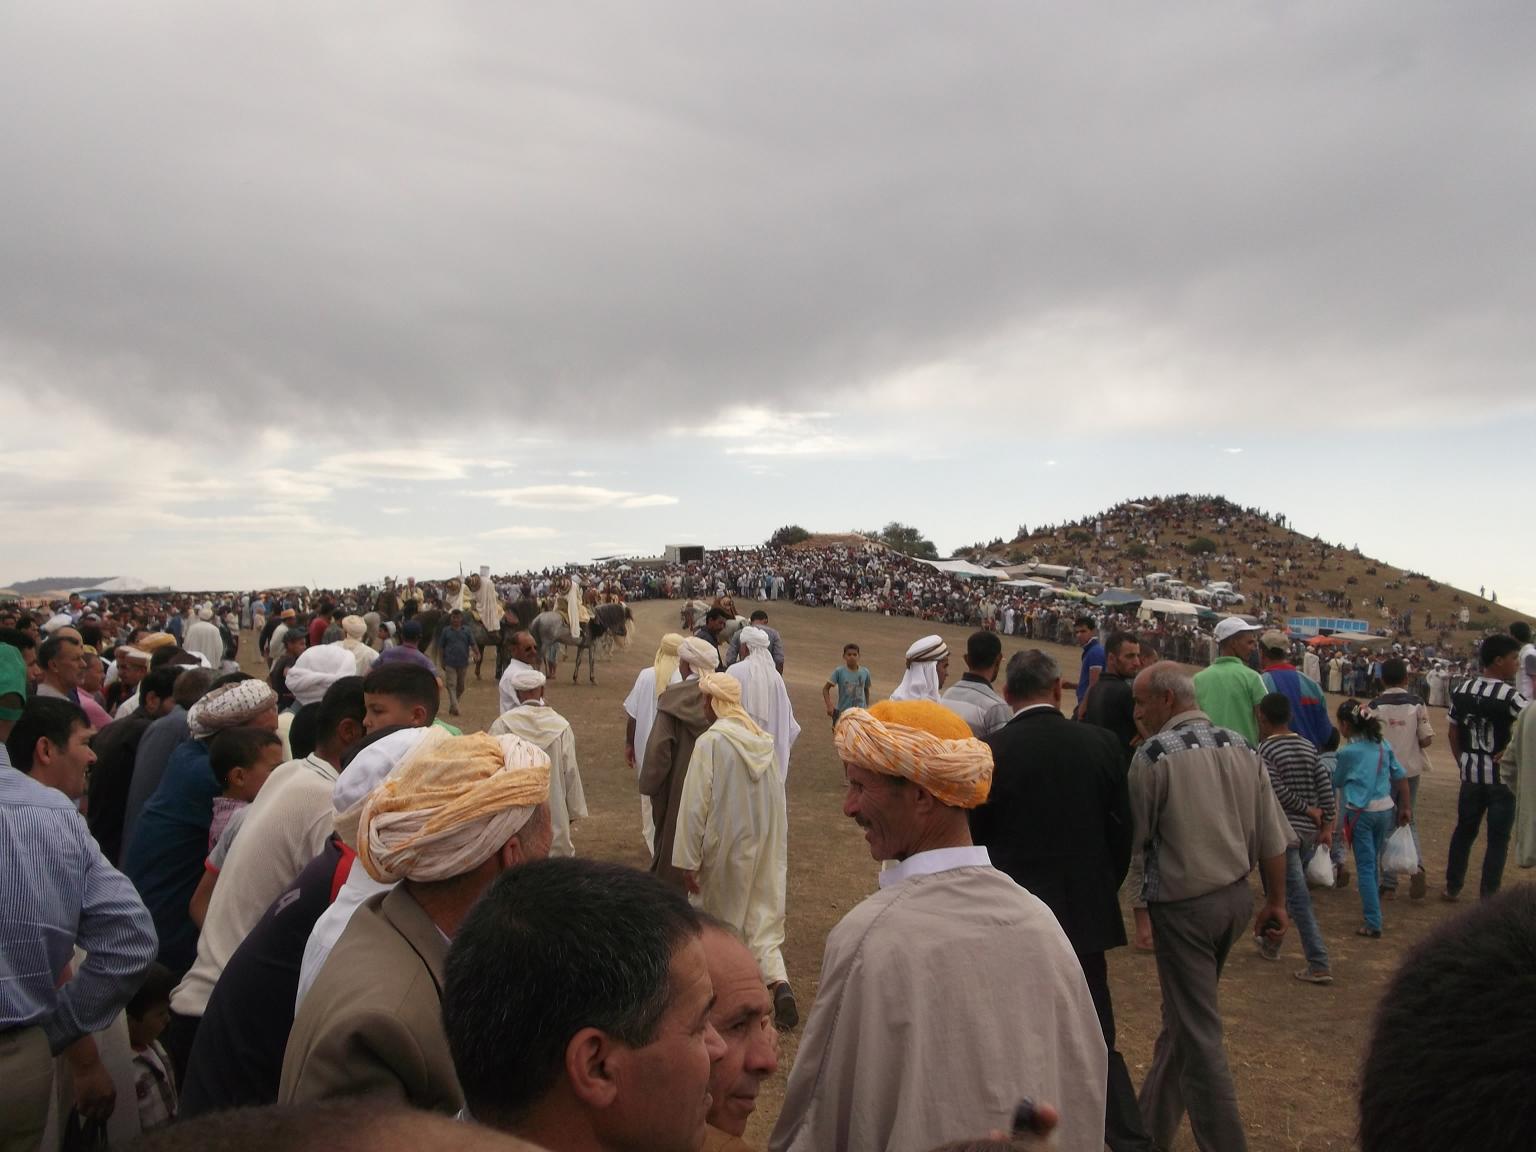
[264,885]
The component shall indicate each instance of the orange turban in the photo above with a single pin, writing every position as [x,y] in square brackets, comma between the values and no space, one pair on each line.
[919,741]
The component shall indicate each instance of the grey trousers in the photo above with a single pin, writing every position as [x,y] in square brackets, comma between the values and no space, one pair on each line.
[1189,1062]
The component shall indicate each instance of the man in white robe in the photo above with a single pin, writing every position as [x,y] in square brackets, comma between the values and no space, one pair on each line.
[640,707]
[525,657]
[543,727]
[354,630]
[764,696]
[927,669]
[990,999]
[733,834]
[204,638]
[1311,666]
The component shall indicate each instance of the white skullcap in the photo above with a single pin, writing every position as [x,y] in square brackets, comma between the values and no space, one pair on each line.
[317,669]
[54,623]
[700,655]
[527,680]
[928,648]
[205,613]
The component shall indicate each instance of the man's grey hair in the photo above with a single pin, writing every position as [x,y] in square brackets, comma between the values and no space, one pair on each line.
[1032,673]
[1166,676]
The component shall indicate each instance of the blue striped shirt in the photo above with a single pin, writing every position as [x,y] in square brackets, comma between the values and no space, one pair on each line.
[56,891]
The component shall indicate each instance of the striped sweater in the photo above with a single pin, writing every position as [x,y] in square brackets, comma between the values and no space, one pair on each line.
[1300,782]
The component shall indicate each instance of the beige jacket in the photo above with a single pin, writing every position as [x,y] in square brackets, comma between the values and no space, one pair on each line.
[373,1022]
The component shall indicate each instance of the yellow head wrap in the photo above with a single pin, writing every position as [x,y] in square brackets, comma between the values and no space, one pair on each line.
[451,803]
[666,660]
[920,741]
[724,692]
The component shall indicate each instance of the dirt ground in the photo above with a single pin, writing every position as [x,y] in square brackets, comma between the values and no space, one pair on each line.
[1294,1048]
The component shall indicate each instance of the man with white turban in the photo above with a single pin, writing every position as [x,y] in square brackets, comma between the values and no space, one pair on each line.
[204,639]
[764,696]
[733,833]
[640,707]
[452,815]
[164,857]
[284,828]
[543,727]
[991,997]
[354,631]
[681,719]
[927,669]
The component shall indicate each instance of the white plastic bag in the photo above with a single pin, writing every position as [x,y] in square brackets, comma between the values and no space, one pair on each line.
[1399,857]
[1320,869]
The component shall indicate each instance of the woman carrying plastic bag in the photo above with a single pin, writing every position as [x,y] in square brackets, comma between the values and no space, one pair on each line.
[1369,775]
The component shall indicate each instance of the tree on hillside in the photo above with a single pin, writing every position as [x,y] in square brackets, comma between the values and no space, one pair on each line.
[787,535]
[905,539]
[1201,545]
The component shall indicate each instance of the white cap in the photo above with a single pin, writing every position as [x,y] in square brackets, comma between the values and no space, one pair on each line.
[1234,626]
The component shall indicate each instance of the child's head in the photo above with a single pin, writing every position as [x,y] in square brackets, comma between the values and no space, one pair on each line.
[150,1009]
[1274,713]
[399,694]
[851,655]
[242,759]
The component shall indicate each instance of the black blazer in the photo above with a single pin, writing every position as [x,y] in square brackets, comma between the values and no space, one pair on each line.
[1058,821]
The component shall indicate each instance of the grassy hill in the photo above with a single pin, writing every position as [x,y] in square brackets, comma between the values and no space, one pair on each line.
[1279,570]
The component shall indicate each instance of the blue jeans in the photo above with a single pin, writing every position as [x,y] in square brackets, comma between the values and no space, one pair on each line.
[1498,800]
[1371,832]
[1298,906]
[1389,881]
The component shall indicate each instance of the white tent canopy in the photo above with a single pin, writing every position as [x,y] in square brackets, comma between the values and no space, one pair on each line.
[1169,608]
[963,568]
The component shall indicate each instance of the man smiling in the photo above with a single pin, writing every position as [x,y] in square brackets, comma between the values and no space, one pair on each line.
[992,998]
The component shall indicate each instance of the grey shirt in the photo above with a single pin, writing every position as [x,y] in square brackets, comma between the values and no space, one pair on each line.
[978,704]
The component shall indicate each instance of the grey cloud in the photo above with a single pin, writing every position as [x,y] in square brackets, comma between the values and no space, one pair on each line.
[617,215]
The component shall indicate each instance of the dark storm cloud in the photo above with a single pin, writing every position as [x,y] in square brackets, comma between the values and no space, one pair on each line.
[468,208]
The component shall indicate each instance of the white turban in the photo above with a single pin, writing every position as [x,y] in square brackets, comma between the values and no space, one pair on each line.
[921,679]
[205,613]
[229,706]
[700,655]
[317,669]
[54,623]
[449,805]
[526,680]
[354,627]
[753,639]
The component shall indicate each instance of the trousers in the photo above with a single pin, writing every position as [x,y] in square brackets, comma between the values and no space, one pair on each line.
[1189,1061]
[26,1083]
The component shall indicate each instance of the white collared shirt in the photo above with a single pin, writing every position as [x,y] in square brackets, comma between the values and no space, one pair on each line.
[936,860]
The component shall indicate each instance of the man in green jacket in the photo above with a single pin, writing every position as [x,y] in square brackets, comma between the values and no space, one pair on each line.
[1229,690]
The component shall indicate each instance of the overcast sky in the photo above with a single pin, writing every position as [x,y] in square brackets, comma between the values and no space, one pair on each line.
[296,293]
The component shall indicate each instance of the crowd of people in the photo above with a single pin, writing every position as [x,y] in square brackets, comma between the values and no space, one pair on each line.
[232,891]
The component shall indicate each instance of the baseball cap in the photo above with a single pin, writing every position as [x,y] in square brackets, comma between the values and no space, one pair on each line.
[411,630]
[1276,640]
[1234,626]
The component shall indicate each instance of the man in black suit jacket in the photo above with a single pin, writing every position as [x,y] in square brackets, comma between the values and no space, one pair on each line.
[1058,821]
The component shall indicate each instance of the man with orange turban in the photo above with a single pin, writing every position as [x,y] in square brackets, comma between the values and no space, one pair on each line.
[991,997]
[452,814]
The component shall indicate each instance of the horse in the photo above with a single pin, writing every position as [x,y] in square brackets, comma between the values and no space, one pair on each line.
[616,619]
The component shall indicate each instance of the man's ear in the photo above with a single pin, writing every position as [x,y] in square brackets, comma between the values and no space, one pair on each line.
[590,1059]
[1056,693]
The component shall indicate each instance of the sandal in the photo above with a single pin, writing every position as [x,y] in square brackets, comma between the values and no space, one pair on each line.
[1368,932]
